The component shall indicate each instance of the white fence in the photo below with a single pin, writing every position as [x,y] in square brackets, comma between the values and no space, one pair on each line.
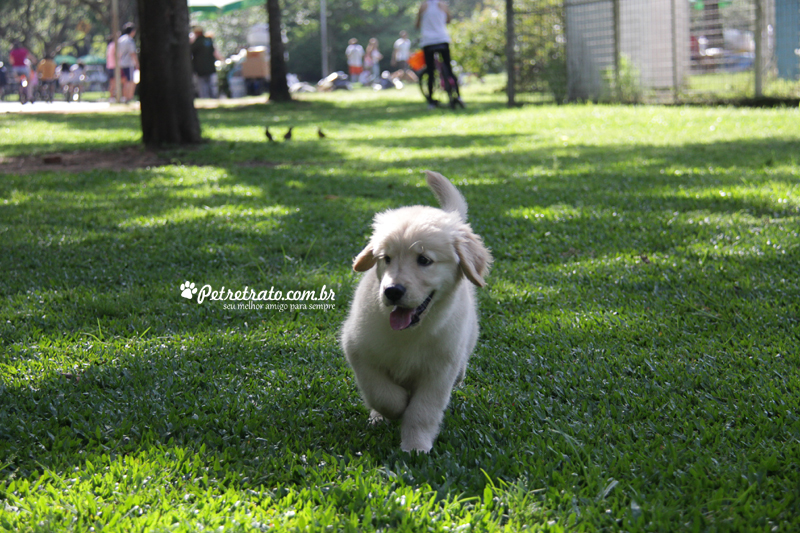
[677,50]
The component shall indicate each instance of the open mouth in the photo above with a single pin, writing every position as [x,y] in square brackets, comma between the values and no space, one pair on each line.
[403,317]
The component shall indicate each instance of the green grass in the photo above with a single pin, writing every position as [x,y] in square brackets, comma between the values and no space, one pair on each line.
[637,368]
[722,86]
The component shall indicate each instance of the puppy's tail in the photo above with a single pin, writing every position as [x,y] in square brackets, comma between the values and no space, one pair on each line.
[447,194]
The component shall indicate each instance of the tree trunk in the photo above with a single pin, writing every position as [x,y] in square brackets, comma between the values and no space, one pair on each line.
[165,90]
[511,60]
[278,88]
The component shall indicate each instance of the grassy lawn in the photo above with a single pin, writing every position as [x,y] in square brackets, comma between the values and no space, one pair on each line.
[737,85]
[638,362]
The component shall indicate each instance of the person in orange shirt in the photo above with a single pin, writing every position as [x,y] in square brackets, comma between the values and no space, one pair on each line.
[46,74]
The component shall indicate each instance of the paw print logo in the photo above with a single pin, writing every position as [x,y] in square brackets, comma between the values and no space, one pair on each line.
[188,290]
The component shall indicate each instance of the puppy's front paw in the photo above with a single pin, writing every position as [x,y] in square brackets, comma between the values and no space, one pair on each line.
[390,403]
[416,439]
[416,445]
[375,418]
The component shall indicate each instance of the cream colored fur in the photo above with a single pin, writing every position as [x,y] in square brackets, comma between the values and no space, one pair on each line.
[410,373]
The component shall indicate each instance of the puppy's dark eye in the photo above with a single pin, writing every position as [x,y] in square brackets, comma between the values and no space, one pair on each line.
[423,261]
[387,259]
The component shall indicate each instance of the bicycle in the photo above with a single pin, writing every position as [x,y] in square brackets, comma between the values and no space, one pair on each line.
[441,81]
[45,90]
[72,86]
[72,92]
[22,88]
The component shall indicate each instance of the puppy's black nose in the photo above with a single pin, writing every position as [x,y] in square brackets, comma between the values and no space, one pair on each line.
[394,292]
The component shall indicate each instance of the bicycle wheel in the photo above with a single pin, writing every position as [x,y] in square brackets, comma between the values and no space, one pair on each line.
[450,87]
[423,83]
[452,93]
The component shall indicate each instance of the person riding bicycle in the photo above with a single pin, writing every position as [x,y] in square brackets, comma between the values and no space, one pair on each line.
[64,77]
[432,20]
[21,61]
[48,79]
[75,81]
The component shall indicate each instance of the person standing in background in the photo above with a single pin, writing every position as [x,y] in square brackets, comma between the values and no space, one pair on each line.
[111,61]
[128,60]
[401,52]
[372,59]
[355,58]
[204,64]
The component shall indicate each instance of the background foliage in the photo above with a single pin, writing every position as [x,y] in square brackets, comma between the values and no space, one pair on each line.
[80,27]
[480,39]
[75,27]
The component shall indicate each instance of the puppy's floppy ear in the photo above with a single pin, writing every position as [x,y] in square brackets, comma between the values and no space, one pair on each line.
[365,260]
[474,257]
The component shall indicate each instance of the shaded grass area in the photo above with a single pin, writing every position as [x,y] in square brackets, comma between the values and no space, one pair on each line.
[637,367]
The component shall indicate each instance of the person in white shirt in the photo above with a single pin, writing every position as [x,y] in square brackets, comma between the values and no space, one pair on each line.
[432,20]
[355,58]
[128,60]
[400,54]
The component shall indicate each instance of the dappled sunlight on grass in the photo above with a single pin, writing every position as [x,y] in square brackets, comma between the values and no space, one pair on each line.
[256,220]
[40,134]
[552,213]
[779,197]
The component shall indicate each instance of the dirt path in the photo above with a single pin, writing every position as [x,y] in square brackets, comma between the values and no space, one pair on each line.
[59,106]
[125,158]
[81,161]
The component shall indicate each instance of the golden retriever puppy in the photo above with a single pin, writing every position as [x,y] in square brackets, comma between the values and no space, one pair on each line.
[414,321]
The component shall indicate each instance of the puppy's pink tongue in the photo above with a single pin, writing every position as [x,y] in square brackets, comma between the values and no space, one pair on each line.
[400,318]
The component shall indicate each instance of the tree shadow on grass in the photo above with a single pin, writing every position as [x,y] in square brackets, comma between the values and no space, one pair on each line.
[299,114]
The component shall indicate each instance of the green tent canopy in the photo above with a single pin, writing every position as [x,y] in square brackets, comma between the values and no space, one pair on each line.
[221,6]
[91,60]
[700,4]
[63,58]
